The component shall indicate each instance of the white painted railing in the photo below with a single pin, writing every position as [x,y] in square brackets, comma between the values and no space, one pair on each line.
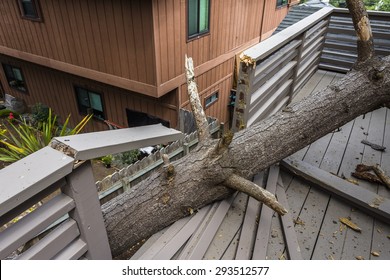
[58,182]
[273,71]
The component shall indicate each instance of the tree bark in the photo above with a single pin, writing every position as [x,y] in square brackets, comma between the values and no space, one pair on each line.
[361,23]
[204,175]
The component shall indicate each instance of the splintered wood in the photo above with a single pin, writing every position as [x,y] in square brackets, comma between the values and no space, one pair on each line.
[380,177]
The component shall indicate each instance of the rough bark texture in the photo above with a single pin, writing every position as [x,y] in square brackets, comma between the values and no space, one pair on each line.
[196,106]
[246,186]
[197,179]
[365,43]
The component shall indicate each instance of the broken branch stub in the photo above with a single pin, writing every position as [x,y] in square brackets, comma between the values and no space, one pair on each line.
[196,106]
[243,185]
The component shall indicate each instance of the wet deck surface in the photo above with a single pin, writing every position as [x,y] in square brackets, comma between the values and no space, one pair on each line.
[240,228]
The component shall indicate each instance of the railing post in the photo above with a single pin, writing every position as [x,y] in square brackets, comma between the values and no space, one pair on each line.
[243,97]
[87,213]
[296,70]
[186,149]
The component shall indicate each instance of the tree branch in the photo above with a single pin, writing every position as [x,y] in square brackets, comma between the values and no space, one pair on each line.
[365,43]
[196,106]
[243,185]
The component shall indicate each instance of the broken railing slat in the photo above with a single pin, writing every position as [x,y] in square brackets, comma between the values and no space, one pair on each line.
[290,235]
[366,200]
[264,228]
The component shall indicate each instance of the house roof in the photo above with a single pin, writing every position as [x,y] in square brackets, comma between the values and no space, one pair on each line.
[296,14]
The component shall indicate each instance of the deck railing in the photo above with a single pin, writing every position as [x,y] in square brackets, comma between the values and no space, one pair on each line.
[56,182]
[340,51]
[272,72]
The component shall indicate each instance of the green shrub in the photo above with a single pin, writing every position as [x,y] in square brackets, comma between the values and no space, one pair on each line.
[129,157]
[25,139]
[107,160]
[40,113]
[5,113]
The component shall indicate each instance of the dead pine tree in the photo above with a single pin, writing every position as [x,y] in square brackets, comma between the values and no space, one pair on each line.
[217,168]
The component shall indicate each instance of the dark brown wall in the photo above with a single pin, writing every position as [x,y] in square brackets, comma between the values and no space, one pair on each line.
[56,89]
[110,36]
[233,23]
[272,17]
[218,79]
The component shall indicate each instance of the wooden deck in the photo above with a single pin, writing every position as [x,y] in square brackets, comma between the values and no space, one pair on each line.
[240,228]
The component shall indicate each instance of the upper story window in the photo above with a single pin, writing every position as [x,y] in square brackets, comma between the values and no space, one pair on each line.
[15,77]
[211,99]
[198,18]
[30,9]
[280,3]
[90,102]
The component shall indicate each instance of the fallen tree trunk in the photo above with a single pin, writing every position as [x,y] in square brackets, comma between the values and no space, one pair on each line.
[206,174]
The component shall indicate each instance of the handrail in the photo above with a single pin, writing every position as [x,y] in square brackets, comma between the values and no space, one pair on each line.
[273,71]
[274,42]
[61,176]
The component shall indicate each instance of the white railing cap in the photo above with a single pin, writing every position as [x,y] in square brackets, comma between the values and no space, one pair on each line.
[274,42]
[96,144]
[30,175]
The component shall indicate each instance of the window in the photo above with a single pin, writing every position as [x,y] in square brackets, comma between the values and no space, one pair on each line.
[211,99]
[135,118]
[90,102]
[280,3]
[30,9]
[15,77]
[198,17]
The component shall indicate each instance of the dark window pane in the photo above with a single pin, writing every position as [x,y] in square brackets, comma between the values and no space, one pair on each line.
[203,15]
[14,77]
[192,17]
[29,9]
[89,102]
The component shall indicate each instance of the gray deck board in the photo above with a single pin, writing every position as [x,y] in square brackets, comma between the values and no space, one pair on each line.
[293,248]
[264,228]
[360,244]
[160,240]
[330,240]
[230,252]
[249,227]
[206,236]
[380,241]
[182,236]
[228,228]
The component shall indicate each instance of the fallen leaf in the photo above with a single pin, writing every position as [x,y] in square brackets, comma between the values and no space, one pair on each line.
[359,258]
[350,224]
[375,254]
[298,221]
[353,181]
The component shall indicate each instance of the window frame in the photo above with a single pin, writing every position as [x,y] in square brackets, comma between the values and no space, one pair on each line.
[213,101]
[10,80]
[199,34]
[37,9]
[83,110]
[282,4]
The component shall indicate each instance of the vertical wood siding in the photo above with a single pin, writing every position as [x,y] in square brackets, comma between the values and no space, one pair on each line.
[56,89]
[232,24]
[218,79]
[109,36]
[272,17]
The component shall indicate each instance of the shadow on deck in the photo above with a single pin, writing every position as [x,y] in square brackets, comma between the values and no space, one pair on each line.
[239,228]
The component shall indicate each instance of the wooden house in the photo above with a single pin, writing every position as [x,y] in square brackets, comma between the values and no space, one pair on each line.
[122,60]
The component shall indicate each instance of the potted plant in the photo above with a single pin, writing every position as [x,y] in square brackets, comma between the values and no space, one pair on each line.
[107,161]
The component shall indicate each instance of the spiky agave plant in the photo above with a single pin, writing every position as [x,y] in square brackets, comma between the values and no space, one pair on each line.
[22,139]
